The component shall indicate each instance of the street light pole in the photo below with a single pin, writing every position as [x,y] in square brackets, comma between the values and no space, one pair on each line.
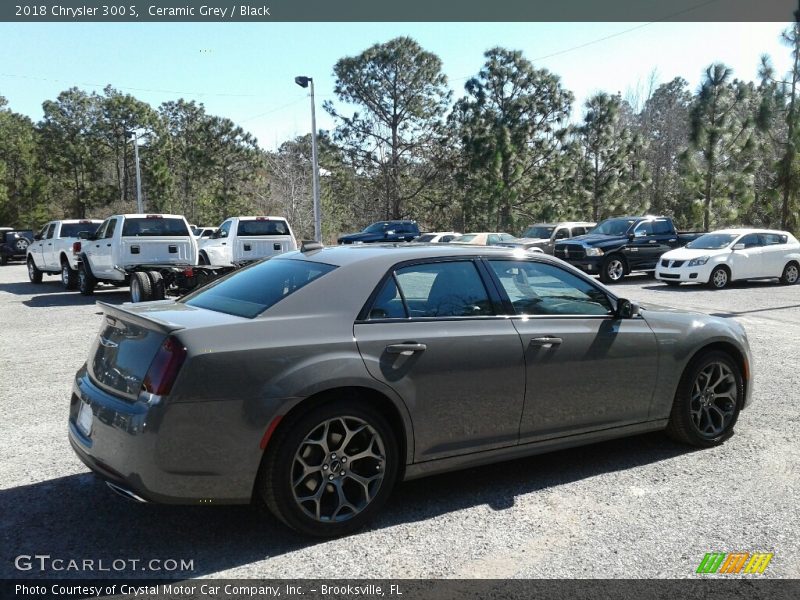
[304,82]
[139,206]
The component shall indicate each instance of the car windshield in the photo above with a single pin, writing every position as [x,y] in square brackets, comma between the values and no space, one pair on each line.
[154,226]
[614,227]
[507,237]
[712,241]
[379,227]
[263,227]
[465,239]
[538,231]
[69,230]
[250,291]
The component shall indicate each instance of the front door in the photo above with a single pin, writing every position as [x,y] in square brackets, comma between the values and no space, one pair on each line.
[586,369]
[433,336]
[748,261]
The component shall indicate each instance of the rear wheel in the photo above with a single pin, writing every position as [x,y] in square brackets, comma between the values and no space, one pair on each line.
[791,273]
[141,288]
[331,470]
[708,401]
[203,259]
[21,245]
[157,284]
[612,269]
[34,274]
[69,277]
[86,281]
[720,278]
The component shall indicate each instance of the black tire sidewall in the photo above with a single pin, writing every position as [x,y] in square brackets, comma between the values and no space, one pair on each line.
[784,279]
[34,274]
[274,482]
[86,280]
[604,277]
[711,278]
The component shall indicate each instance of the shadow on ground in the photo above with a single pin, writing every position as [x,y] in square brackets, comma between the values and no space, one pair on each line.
[52,293]
[78,517]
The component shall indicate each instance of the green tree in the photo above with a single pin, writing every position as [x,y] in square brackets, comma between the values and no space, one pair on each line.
[511,127]
[403,95]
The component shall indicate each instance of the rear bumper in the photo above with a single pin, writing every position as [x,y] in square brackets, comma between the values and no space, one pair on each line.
[139,448]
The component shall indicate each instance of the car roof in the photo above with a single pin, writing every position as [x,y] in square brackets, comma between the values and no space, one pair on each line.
[389,254]
[145,215]
[252,218]
[744,230]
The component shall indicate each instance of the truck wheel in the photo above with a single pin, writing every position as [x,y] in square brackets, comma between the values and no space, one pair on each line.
[34,274]
[328,471]
[708,400]
[790,274]
[157,285]
[613,269]
[141,288]
[69,277]
[203,259]
[86,281]
[3,259]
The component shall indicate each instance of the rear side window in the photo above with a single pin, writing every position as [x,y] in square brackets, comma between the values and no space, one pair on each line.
[446,289]
[263,227]
[251,291]
[155,226]
[772,239]
[73,229]
[662,227]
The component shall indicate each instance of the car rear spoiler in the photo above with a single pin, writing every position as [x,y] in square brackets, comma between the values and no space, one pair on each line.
[134,316]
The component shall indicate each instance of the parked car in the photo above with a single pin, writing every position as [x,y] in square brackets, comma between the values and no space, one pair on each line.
[383,231]
[245,239]
[545,235]
[56,248]
[436,237]
[726,255]
[317,379]
[14,244]
[619,246]
[125,248]
[484,238]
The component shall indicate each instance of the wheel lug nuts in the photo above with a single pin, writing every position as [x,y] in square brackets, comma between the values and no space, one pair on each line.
[324,467]
[342,473]
[333,455]
[344,459]
[330,477]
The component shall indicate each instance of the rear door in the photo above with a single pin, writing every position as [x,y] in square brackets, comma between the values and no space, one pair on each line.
[262,237]
[774,253]
[432,335]
[156,239]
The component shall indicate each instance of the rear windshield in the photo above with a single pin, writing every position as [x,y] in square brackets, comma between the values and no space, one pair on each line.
[157,226]
[73,229]
[251,291]
[271,227]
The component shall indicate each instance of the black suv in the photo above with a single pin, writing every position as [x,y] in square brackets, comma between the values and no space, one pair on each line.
[383,231]
[14,243]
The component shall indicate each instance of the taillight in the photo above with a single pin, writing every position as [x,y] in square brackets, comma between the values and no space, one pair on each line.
[164,368]
[76,247]
[188,272]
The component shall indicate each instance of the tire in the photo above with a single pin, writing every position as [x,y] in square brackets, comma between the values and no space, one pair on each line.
[157,285]
[694,420]
[34,274]
[21,245]
[613,269]
[791,273]
[141,288]
[203,259]
[3,260]
[86,281]
[720,278]
[281,463]
[69,277]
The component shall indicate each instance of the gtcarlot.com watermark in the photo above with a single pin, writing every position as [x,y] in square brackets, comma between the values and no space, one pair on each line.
[46,563]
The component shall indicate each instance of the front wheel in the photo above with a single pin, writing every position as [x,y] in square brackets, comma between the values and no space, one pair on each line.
[612,269]
[720,278]
[707,403]
[791,273]
[34,274]
[328,473]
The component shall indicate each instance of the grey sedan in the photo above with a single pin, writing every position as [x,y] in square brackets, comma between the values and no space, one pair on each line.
[316,380]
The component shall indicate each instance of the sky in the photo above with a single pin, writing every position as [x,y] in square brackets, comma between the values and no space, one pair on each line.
[245,71]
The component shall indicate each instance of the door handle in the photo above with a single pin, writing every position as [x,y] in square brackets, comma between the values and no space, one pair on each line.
[406,349]
[224,244]
[546,341]
[109,245]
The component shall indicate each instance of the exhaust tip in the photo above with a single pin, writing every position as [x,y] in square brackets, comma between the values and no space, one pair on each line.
[125,493]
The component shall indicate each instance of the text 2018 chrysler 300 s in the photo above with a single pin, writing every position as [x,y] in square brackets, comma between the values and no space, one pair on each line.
[317,379]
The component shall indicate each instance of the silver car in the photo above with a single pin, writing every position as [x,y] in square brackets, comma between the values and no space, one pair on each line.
[316,380]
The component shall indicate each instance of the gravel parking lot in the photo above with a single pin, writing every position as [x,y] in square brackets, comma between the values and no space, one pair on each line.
[637,507]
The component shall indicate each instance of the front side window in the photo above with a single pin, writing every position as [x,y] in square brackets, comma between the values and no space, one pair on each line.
[112,225]
[543,289]
[445,289]
[751,240]
[224,229]
[250,291]
[562,233]
[644,228]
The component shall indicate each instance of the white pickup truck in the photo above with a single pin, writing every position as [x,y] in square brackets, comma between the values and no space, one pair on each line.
[139,250]
[55,250]
[244,239]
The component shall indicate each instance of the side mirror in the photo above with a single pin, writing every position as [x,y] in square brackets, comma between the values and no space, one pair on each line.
[388,233]
[626,309]
[739,246]
[37,236]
